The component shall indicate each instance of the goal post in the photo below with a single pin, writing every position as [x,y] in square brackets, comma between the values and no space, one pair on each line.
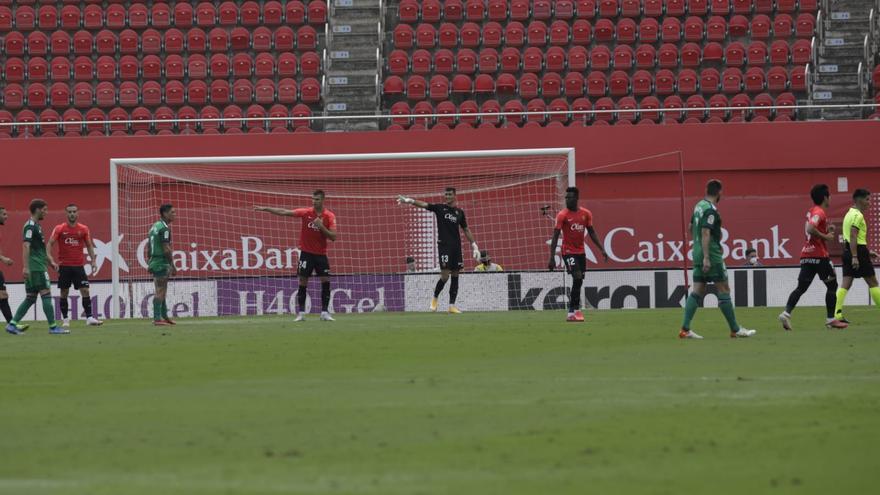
[232,260]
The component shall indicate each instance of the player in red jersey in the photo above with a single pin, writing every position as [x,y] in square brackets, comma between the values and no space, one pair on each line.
[815,260]
[573,222]
[318,225]
[72,237]
[4,297]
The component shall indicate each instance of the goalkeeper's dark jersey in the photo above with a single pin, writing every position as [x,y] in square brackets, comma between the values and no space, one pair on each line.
[449,220]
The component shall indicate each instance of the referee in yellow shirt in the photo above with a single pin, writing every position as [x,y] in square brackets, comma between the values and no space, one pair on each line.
[856,255]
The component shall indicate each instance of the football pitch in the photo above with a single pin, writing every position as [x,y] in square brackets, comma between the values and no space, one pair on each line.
[479,403]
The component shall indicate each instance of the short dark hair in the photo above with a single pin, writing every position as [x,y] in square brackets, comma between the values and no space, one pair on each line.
[574,190]
[751,250]
[165,208]
[819,192]
[37,204]
[450,189]
[71,205]
[861,193]
[713,187]
[410,259]
[318,192]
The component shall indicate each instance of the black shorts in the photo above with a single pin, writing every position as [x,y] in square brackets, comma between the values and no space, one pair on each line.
[2,282]
[450,257]
[72,275]
[810,267]
[317,263]
[866,268]
[575,263]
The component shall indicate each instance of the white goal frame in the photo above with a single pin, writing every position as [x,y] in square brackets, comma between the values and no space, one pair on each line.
[115,163]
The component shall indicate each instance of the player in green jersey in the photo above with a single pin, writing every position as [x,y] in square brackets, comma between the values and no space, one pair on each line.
[161,265]
[709,264]
[35,263]
[857,258]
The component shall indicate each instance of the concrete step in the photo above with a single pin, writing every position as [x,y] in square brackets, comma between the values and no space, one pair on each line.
[344,28]
[345,65]
[351,105]
[346,126]
[342,40]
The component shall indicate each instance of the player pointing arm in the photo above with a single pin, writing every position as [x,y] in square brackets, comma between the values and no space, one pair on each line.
[449,219]
[318,225]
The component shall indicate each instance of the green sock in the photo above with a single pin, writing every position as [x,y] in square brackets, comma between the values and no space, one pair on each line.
[157,309]
[23,309]
[726,307]
[164,310]
[875,295]
[690,309]
[841,295]
[49,309]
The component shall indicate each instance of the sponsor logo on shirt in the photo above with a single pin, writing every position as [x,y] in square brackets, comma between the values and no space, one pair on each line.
[452,217]
[71,241]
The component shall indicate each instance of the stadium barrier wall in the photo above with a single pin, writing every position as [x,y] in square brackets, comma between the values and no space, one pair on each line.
[508,291]
[767,169]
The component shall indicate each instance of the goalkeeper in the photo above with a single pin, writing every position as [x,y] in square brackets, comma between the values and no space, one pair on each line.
[449,219]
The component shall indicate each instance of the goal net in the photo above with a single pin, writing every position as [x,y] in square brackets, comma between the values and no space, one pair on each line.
[232,260]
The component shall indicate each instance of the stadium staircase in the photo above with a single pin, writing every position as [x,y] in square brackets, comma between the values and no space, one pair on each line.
[841,33]
[353,63]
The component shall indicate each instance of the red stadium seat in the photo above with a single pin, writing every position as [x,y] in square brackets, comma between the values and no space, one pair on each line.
[310,64]
[105,68]
[507,83]
[431,11]
[626,31]
[453,10]
[555,59]
[38,69]
[462,85]
[488,61]
[264,92]
[687,82]
[716,104]
[574,84]
[693,29]
[239,38]
[287,64]
[630,8]
[760,29]
[197,40]
[128,42]
[25,18]
[71,17]
[538,108]
[672,103]
[466,61]
[667,57]
[735,54]
[242,65]
[731,81]
[174,67]
[317,12]
[197,93]
[627,110]
[513,112]
[757,53]
[777,79]
[559,33]
[306,38]
[604,31]
[105,43]
[690,55]
[646,57]
[618,84]
[664,82]
[597,84]
[37,44]
[160,16]
[14,43]
[114,16]
[514,34]
[255,112]
[779,53]
[604,107]
[642,83]
[716,29]
[184,15]
[470,35]
[15,70]
[219,65]
[398,63]
[738,26]
[608,8]
[129,68]
[754,80]
[787,100]
[439,88]
[670,30]
[484,84]
[783,26]
[242,92]
[578,58]
[648,109]
[151,42]
[416,88]
[710,81]
[82,43]
[92,17]
[533,60]
[105,94]
[447,35]
[47,18]
[287,91]
[713,52]
[763,101]
[48,119]
[232,115]
[393,86]
[582,105]
[675,8]
[649,30]
[13,97]
[59,95]
[129,94]
[805,26]
[623,57]
[600,58]
[537,33]
[529,86]
[175,93]
[284,39]
[206,14]
[493,34]
[138,16]
[426,36]
[83,96]
[151,67]
[581,32]
[249,14]
[151,93]
[197,66]
[551,85]
[69,116]
[510,60]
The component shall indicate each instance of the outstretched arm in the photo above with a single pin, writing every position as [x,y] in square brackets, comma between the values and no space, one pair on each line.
[404,200]
[275,211]
[552,264]
[596,242]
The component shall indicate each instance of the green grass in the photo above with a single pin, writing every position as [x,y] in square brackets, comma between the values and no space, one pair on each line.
[484,403]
